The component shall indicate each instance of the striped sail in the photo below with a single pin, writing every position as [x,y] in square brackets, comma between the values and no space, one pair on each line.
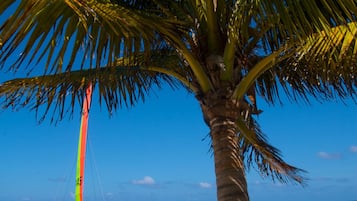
[82,146]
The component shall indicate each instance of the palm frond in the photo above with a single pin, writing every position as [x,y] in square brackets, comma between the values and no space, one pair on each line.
[270,24]
[276,28]
[59,93]
[297,20]
[163,59]
[325,67]
[97,31]
[259,153]
[251,77]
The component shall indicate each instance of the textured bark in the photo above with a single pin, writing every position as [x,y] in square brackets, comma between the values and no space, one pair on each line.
[229,167]
[220,116]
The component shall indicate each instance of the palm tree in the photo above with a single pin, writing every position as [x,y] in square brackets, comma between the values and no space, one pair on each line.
[225,52]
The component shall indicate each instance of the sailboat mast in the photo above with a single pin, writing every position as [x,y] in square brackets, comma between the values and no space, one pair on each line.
[82,145]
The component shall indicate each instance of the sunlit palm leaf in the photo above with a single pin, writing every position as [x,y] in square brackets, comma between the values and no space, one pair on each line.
[310,67]
[296,20]
[326,66]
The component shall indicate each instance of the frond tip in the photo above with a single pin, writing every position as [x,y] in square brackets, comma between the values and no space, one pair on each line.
[256,150]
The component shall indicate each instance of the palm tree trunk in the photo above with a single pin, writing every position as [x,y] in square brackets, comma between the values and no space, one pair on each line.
[229,167]
[220,114]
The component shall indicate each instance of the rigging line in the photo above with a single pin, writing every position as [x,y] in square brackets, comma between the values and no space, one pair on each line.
[95,167]
[62,190]
[65,187]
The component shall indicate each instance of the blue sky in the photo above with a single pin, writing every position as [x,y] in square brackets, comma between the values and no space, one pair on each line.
[155,151]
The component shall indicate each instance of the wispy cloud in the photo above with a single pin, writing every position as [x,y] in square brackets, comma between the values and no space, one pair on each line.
[57,180]
[325,155]
[353,149]
[109,195]
[205,185]
[257,182]
[332,179]
[147,180]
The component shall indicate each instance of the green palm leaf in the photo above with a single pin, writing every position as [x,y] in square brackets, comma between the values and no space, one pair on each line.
[118,87]
[97,28]
[310,68]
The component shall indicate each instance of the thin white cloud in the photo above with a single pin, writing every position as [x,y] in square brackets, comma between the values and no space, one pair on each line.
[147,180]
[279,185]
[325,155]
[25,199]
[205,185]
[57,180]
[353,149]
[256,182]
[109,195]
[72,195]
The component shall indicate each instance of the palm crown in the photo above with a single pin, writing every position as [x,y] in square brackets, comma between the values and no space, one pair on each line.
[226,52]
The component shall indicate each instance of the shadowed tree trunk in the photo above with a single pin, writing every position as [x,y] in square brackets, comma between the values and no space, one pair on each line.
[229,167]
[221,115]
